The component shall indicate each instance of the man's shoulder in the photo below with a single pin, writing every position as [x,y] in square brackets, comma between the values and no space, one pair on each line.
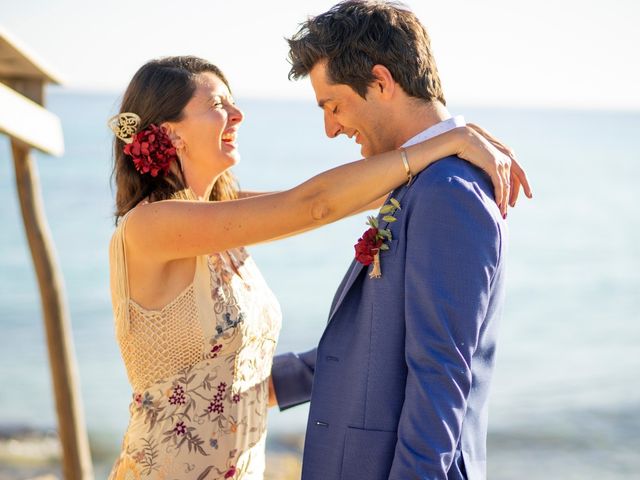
[455,196]
[457,184]
[452,174]
[451,167]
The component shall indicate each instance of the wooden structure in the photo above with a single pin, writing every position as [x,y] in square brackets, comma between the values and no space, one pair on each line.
[29,125]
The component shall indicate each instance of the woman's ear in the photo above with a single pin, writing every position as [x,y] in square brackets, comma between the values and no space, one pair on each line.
[175,138]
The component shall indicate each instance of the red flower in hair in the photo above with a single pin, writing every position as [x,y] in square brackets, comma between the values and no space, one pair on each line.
[152,151]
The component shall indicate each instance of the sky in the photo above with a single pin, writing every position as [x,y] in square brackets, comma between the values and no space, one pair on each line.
[505,53]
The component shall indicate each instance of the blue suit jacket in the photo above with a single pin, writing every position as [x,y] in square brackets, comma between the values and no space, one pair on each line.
[399,382]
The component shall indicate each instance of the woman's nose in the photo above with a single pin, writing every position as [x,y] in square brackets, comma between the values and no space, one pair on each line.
[235,114]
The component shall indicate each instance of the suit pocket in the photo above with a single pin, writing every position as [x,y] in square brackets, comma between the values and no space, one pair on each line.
[368,454]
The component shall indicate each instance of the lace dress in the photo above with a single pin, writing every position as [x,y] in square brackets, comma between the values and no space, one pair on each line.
[199,369]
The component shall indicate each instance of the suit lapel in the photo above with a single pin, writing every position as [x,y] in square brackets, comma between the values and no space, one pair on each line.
[356,267]
[354,271]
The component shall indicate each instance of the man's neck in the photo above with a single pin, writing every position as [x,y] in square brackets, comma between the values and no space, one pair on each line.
[416,118]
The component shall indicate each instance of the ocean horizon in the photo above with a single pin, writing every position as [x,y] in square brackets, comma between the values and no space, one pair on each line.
[565,396]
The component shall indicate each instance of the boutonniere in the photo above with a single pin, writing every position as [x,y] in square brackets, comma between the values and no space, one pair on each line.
[373,240]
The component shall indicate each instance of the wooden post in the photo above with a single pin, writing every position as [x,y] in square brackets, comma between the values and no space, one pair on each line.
[76,457]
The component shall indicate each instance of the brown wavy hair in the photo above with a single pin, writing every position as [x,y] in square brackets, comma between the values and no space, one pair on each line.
[158,93]
[355,35]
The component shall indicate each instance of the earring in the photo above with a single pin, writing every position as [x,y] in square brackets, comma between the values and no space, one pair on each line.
[178,143]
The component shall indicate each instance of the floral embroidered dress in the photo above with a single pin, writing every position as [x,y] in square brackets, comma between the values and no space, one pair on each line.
[199,368]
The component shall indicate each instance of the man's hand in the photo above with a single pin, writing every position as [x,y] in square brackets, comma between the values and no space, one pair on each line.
[273,401]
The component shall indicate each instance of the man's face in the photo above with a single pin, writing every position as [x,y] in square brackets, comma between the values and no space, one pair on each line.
[346,112]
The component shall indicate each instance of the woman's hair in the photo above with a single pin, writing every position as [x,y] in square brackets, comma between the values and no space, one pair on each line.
[158,93]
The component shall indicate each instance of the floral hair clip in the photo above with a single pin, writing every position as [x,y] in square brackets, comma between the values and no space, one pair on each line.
[125,125]
[151,149]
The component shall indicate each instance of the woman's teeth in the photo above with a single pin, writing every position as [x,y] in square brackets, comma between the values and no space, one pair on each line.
[229,137]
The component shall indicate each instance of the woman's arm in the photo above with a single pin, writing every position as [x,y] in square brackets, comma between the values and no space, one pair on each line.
[518,177]
[250,193]
[174,229]
[375,205]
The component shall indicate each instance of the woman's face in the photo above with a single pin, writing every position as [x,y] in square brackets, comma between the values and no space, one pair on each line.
[208,130]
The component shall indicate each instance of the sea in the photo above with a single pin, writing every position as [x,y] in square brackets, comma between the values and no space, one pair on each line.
[566,395]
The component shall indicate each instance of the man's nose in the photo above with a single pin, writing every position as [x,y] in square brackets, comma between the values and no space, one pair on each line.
[331,127]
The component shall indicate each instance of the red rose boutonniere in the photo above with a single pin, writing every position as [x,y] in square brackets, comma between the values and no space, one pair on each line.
[373,240]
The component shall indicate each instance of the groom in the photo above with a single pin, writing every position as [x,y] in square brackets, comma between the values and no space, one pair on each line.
[399,382]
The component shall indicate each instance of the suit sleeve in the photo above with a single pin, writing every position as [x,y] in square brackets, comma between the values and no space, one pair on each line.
[453,247]
[292,376]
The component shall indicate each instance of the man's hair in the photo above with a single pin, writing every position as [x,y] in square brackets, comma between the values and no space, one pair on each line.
[355,35]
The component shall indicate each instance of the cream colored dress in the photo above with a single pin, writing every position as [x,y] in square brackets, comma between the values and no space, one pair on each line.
[199,369]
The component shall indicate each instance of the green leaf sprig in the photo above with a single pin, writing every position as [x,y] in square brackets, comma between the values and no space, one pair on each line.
[387,210]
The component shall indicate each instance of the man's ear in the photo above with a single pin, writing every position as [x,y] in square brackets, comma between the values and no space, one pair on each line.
[173,135]
[383,83]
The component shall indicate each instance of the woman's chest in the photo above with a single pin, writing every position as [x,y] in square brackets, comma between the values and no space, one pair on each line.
[240,316]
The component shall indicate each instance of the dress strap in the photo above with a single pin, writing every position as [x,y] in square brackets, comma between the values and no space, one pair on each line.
[120,283]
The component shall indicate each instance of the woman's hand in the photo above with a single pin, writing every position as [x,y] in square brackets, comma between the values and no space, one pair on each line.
[518,175]
[498,161]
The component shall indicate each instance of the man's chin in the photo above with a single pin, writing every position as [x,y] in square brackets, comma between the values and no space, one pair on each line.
[370,150]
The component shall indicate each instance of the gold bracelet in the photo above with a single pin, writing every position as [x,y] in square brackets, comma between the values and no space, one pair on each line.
[405,162]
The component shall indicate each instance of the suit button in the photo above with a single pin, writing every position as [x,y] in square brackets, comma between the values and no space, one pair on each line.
[321,424]
[332,359]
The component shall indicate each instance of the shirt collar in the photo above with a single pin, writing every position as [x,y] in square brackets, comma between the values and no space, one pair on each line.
[437,129]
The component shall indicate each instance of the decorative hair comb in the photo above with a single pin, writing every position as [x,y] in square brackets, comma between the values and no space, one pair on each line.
[125,126]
